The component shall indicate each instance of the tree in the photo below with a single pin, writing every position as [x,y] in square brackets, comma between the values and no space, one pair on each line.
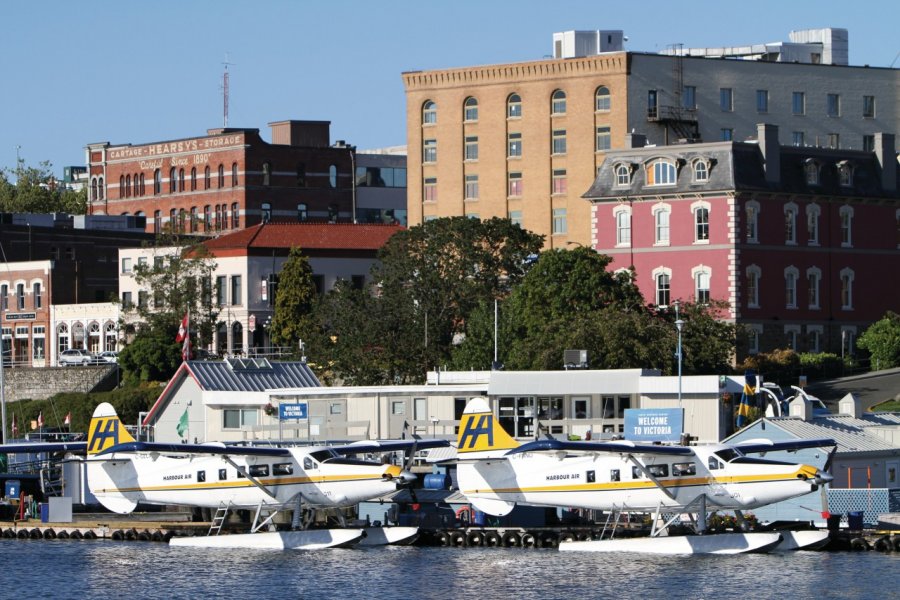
[708,342]
[882,341]
[37,191]
[295,299]
[153,354]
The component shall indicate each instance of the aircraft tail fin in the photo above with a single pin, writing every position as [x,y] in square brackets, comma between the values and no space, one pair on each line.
[106,430]
[480,434]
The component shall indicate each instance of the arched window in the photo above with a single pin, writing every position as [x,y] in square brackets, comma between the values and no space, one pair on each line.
[143,191]
[811,170]
[172,180]
[20,296]
[558,103]
[237,337]
[109,337]
[701,221]
[514,106]
[194,219]
[193,178]
[661,172]
[791,274]
[623,227]
[701,276]
[267,173]
[602,98]
[661,214]
[206,179]
[701,171]
[123,192]
[332,176]
[429,113]
[623,175]
[234,174]
[157,181]
[235,216]
[100,187]
[93,189]
[134,183]
[221,175]
[180,180]
[662,278]
[157,221]
[470,112]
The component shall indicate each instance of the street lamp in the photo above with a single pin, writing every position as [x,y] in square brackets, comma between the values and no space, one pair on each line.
[434,422]
[267,327]
[679,324]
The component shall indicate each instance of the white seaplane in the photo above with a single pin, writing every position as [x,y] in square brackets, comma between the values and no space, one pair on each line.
[495,473]
[122,473]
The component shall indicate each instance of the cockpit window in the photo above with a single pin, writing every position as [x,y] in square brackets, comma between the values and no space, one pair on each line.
[714,463]
[323,455]
[727,454]
[309,464]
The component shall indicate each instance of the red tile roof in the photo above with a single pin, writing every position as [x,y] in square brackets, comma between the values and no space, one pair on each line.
[319,236]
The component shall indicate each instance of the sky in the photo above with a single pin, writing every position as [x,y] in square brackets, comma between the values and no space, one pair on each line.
[75,73]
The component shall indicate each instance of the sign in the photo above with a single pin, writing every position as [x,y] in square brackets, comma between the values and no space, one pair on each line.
[298,411]
[251,325]
[654,424]
[20,316]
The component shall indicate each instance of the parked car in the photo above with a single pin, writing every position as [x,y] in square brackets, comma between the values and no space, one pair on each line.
[109,356]
[78,356]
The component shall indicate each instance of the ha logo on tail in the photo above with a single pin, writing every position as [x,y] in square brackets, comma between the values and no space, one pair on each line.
[106,430]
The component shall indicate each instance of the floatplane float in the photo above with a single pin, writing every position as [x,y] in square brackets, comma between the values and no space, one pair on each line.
[122,473]
[495,473]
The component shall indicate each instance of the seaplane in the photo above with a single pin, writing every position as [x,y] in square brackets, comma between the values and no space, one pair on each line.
[123,473]
[495,473]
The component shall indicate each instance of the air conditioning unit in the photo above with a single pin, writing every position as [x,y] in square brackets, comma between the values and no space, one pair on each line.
[575,359]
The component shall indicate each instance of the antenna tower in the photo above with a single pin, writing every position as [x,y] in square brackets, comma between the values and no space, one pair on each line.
[225,92]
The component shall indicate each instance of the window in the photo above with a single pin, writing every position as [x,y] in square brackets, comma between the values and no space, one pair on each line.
[868,143]
[661,172]
[845,174]
[429,151]
[283,469]
[472,148]
[602,99]
[234,174]
[662,289]
[221,291]
[235,216]
[193,178]
[514,107]
[301,175]
[792,334]
[798,138]
[753,276]
[123,191]
[701,287]
[36,295]
[846,226]
[515,184]
[798,103]
[661,224]
[559,181]
[157,182]
[682,469]
[689,97]
[790,287]
[752,347]
[126,265]
[811,171]
[332,176]
[180,180]
[429,189]
[790,223]
[623,227]
[558,103]
[221,179]
[236,289]
[762,101]
[868,107]
[157,221]
[833,105]
[471,187]
[847,276]
[239,418]
[206,178]
[4,297]
[559,141]
[727,134]
[38,337]
[604,141]
[814,337]
[701,224]
[515,216]
[623,175]
[701,171]
[398,407]
[812,224]
[652,104]
[20,296]
[726,99]
[429,113]
[514,145]
[471,109]
[172,180]
[813,281]
[266,210]
[559,221]
[834,140]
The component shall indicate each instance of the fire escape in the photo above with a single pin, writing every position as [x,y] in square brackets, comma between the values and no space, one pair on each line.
[679,122]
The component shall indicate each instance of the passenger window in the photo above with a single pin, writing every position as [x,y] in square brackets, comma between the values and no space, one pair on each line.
[681,469]
[636,473]
[223,474]
[201,476]
[614,475]
[659,470]
[282,469]
[714,463]
[259,470]
[590,477]
[308,464]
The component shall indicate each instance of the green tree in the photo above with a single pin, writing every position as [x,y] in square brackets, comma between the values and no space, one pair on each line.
[882,341]
[37,191]
[707,341]
[295,299]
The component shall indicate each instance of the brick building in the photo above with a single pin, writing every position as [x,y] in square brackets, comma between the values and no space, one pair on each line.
[800,241]
[524,140]
[227,179]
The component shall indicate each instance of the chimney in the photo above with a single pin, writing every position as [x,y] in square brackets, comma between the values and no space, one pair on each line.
[767,137]
[311,134]
[635,140]
[850,405]
[799,407]
[886,154]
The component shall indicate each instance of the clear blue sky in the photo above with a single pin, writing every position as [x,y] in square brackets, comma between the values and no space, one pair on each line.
[135,72]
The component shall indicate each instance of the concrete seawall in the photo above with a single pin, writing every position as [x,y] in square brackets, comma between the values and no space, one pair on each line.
[30,383]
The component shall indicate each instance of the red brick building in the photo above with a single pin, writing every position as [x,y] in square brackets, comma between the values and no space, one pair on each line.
[800,241]
[226,180]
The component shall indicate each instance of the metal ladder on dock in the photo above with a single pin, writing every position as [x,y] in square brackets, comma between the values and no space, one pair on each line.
[612,521]
[218,519]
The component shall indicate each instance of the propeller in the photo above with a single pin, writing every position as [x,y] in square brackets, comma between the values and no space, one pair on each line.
[821,480]
[407,475]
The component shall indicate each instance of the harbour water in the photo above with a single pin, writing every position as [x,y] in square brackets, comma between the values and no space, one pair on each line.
[122,570]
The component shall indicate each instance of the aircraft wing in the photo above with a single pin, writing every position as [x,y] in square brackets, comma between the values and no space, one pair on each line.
[214,448]
[26,448]
[617,447]
[369,446]
[755,446]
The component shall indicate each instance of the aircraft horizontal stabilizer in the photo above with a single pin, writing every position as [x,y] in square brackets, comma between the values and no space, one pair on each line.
[26,448]
[755,446]
[619,447]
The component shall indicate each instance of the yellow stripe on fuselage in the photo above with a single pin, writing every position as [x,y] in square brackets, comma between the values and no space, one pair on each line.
[244,483]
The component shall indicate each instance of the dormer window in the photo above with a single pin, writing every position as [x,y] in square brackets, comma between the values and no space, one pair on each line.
[661,172]
[701,171]
[623,175]
[845,173]
[811,171]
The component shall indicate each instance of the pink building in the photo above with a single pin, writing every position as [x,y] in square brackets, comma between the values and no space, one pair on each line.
[800,241]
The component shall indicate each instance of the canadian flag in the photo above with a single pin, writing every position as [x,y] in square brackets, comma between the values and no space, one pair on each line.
[40,419]
[182,329]
[68,420]
[184,336]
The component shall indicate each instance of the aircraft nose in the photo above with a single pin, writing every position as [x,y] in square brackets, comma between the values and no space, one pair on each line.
[408,477]
[822,477]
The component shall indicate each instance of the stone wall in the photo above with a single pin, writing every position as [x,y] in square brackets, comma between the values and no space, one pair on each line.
[22,383]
